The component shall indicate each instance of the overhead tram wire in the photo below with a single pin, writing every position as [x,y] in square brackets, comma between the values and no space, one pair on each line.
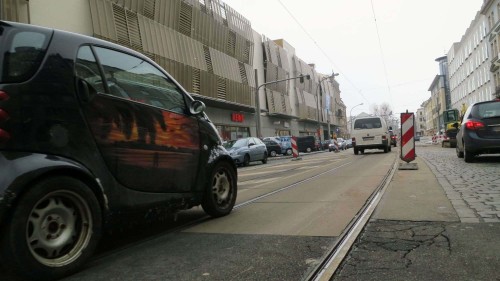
[382,55]
[322,51]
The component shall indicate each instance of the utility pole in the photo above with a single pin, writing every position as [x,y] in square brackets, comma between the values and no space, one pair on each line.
[258,130]
[257,104]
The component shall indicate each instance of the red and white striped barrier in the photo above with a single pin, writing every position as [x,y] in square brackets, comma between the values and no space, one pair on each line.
[295,150]
[407,137]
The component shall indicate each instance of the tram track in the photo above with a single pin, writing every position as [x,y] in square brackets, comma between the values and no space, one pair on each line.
[333,258]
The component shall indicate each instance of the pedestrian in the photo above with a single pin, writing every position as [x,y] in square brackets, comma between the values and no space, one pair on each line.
[336,144]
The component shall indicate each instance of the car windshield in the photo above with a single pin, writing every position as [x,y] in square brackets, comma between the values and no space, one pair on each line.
[236,143]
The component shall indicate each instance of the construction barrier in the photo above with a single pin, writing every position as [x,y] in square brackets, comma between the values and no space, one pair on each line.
[407,137]
[295,150]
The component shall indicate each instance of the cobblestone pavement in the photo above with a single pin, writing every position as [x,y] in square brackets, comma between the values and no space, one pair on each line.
[437,250]
[473,188]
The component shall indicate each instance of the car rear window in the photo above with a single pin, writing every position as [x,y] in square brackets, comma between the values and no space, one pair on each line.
[367,123]
[486,110]
[22,49]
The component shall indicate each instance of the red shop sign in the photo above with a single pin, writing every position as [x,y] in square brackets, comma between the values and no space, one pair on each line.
[237,117]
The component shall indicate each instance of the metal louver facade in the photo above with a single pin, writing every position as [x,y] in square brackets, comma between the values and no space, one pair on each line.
[214,44]
[277,95]
[209,48]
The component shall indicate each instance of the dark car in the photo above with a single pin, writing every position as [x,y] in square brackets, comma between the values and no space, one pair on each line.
[479,132]
[306,144]
[91,134]
[246,150]
[273,147]
[394,138]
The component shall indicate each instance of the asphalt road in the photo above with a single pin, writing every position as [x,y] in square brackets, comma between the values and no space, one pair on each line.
[302,208]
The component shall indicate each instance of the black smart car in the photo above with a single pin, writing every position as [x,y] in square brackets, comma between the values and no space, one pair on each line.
[91,132]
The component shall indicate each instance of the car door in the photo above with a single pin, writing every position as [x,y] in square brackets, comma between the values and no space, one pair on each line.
[260,148]
[140,121]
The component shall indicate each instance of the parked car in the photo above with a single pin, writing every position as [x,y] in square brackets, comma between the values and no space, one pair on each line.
[370,133]
[306,143]
[342,143]
[90,130]
[246,150]
[479,132]
[286,145]
[394,138]
[273,147]
[348,143]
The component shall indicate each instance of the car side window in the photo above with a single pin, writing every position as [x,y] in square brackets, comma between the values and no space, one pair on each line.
[132,78]
[87,69]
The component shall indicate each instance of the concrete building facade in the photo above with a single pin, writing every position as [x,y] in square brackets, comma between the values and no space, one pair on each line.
[469,66]
[491,11]
[214,53]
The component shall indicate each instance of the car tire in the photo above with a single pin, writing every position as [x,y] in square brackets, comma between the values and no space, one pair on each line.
[468,156]
[390,148]
[289,151]
[308,149]
[362,151]
[264,160]
[221,191]
[273,153]
[246,160]
[53,230]
[356,152]
[460,154]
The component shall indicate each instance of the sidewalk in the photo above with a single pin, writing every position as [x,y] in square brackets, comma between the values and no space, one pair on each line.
[416,234]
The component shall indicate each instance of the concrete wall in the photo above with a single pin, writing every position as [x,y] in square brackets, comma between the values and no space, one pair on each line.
[75,15]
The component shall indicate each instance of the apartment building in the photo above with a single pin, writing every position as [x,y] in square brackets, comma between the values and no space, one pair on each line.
[420,123]
[469,66]
[214,53]
[491,10]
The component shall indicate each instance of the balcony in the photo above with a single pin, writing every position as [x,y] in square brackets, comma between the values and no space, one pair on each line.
[496,60]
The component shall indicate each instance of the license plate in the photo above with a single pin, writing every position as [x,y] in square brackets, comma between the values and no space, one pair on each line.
[368,138]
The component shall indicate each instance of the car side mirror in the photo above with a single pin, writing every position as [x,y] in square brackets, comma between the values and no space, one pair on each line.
[197,107]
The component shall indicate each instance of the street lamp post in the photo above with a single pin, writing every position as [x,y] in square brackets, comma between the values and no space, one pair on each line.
[257,103]
[350,114]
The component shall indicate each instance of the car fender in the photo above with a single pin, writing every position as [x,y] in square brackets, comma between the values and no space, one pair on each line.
[20,170]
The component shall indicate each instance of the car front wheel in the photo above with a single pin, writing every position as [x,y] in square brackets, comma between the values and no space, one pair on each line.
[53,229]
[273,153]
[221,191]
[264,160]
[246,160]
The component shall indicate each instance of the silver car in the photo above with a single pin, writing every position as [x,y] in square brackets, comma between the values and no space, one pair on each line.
[245,150]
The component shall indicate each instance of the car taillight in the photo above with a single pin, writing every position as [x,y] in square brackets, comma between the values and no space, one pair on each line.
[474,125]
[384,137]
[4,116]
[3,96]
[353,139]
[4,136]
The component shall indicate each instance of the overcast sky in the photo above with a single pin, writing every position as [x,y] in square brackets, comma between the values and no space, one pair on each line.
[341,35]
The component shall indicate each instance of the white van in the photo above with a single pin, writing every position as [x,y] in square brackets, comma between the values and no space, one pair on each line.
[370,133]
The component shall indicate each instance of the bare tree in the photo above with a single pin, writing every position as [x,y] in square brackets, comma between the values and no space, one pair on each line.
[383,110]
